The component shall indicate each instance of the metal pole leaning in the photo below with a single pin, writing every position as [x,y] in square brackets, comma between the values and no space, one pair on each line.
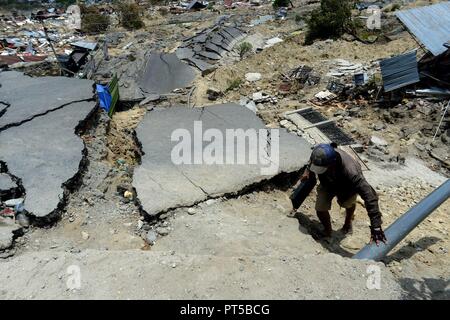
[397,231]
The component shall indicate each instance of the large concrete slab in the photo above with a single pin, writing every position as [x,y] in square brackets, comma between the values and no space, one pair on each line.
[161,184]
[164,72]
[44,153]
[6,183]
[29,97]
[7,229]
[38,142]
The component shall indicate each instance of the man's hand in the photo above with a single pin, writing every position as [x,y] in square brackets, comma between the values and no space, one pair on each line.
[377,235]
[305,175]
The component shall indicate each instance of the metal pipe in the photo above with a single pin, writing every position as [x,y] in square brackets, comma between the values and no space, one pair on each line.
[406,223]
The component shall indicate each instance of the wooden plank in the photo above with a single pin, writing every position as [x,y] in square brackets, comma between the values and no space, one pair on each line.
[355,156]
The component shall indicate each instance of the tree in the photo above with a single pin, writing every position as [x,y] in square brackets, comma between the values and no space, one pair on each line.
[92,21]
[281,3]
[130,16]
[329,21]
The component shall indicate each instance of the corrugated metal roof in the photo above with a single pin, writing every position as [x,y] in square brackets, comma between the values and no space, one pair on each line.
[9,60]
[399,71]
[430,25]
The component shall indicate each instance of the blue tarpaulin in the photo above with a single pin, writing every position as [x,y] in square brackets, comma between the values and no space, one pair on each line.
[104,97]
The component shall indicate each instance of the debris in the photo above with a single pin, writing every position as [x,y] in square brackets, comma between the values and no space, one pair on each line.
[377,141]
[150,98]
[129,195]
[7,230]
[162,231]
[261,20]
[213,93]
[210,45]
[272,41]
[23,220]
[84,235]
[325,95]
[253,76]
[399,71]
[360,79]
[151,237]
[14,202]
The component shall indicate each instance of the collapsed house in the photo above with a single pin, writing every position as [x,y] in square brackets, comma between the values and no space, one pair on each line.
[429,76]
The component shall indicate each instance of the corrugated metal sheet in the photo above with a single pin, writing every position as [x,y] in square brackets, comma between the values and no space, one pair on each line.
[399,71]
[430,25]
[9,60]
[85,45]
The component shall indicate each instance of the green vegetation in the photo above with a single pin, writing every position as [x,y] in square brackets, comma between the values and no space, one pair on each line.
[244,48]
[329,21]
[234,84]
[130,16]
[92,21]
[280,3]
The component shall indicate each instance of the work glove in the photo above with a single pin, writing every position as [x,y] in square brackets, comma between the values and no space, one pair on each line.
[377,235]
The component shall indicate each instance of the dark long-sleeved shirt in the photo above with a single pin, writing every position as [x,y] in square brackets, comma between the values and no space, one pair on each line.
[346,179]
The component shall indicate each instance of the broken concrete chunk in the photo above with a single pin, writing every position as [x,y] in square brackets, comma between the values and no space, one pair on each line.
[203,66]
[150,98]
[273,41]
[210,55]
[42,149]
[164,72]
[185,183]
[7,229]
[209,46]
[253,76]
[377,141]
[6,182]
[27,98]
[213,93]
[151,237]
[184,53]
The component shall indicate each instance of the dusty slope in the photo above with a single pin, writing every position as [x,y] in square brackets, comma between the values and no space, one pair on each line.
[241,248]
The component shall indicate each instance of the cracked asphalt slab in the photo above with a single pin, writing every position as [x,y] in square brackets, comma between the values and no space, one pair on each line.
[38,142]
[164,72]
[161,185]
[29,97]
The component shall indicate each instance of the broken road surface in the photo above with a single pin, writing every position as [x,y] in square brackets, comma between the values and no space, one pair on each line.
[161,185]
[38,142]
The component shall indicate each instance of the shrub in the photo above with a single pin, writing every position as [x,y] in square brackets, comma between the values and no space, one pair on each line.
[244,48]
[233,84]
[130,16]
[92,21]
[280,3]
[328,21]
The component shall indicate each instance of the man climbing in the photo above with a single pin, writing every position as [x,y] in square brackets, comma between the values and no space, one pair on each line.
[341,176]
